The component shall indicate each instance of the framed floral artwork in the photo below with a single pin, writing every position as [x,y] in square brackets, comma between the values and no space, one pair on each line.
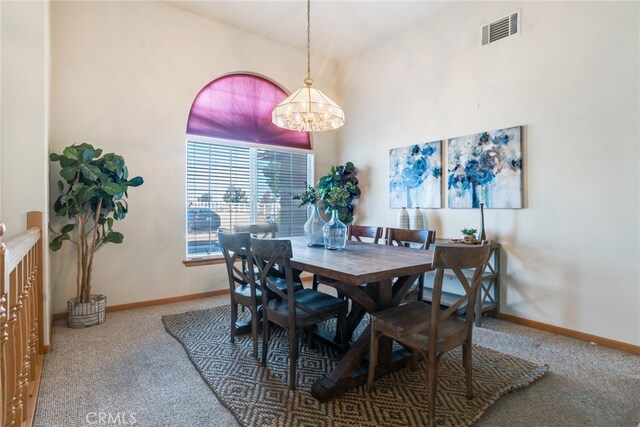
[415,174]
[486,168]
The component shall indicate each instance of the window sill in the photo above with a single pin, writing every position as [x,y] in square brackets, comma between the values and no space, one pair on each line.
[195,262]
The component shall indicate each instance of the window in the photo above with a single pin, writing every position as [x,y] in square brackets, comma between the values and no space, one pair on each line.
[241,168]
[230,183]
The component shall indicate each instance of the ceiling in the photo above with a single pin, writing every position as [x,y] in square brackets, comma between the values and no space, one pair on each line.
[339,28]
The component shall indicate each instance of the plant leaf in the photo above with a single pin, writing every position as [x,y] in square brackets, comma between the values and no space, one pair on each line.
[90,172]
[68,173]
[86,193]
[56,243]
[68,228]
[112,188]
[54,157]
[71,152]
[87,154]
[113,237]
[135,182]
[60,186]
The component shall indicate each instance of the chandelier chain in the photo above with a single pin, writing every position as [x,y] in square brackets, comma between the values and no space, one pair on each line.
[308,39]
[307,109]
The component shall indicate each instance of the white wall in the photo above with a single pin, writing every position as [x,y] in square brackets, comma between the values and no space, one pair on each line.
[24,94]
[124,75]
[572,79]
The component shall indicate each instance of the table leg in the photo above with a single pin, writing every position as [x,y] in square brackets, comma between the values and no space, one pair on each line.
[351,371]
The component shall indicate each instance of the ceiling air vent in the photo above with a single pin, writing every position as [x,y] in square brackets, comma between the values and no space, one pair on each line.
[501,28]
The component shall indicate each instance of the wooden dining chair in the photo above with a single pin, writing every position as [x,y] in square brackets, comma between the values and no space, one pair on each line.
[243,290]
[356,233]
[420,239]
[430,330]
[260,230]
[295,310]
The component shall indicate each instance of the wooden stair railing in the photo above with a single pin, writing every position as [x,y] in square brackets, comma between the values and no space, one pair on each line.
[21,334]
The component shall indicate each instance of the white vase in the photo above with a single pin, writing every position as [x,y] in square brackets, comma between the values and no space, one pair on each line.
[417,220]
[403,218]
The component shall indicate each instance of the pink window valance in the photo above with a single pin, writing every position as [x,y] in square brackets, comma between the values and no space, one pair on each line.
[238,107]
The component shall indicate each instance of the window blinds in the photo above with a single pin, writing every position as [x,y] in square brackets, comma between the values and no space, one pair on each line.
[230,184]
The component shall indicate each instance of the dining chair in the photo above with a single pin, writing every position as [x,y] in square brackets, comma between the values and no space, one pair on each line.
[430,330]
[260,230]
[420,239]
[295,310]
[243,290]
[357,233]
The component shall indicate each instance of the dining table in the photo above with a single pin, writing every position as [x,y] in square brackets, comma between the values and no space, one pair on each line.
[374,277]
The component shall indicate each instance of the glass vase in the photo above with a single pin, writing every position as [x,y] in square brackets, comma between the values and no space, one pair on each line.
[335,233]
[313,229]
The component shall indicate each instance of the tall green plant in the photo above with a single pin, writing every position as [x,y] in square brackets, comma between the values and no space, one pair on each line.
[340,176]
[93,195]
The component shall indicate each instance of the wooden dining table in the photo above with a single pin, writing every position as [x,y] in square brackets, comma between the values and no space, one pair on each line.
[374,277]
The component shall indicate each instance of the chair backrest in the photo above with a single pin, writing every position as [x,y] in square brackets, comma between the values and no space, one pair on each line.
[404,237]
[270,255]
[357,232]
[260,230]
[267,254]
[457,258]
[237,247]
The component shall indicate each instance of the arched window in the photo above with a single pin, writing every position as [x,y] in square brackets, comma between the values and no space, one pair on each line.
[238,107]
[241,168]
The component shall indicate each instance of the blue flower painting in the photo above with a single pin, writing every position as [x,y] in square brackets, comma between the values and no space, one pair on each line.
[414,176]
[486,168]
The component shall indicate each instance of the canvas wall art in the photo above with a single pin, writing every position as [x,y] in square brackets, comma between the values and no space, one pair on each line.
[486,168]
[415,176]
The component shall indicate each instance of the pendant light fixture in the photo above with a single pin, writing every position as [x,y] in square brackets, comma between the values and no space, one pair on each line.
[308,109]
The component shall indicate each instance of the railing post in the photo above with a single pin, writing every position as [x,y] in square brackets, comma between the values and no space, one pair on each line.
[34,219]
[3,327]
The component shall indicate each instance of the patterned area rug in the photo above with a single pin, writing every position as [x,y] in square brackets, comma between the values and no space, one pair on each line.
[260,396]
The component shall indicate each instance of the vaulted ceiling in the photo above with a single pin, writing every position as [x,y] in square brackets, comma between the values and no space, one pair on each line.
[339,28]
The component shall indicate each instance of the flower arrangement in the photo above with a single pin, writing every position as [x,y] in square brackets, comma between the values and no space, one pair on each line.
[340,176]
[339,197]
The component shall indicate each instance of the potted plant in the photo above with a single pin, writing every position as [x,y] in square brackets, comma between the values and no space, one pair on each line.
[313,228]
[93,195]
[340,176]
[335,231]
[469,235]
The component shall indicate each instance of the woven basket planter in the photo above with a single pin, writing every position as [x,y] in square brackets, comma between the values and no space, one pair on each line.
[82,315]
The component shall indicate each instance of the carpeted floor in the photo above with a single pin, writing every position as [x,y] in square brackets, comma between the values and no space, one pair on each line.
[260,396]
[130,366]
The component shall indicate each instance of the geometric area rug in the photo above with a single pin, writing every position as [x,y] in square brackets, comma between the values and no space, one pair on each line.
[259,396]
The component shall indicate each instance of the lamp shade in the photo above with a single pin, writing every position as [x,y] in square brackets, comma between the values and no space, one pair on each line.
[308,110]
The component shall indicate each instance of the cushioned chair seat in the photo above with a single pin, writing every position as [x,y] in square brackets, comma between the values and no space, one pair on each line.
[245,291]
[314,300]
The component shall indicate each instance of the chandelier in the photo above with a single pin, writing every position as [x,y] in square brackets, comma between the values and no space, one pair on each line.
[308,109]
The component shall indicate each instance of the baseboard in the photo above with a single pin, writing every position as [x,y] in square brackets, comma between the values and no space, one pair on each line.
[149,303]
[618,345]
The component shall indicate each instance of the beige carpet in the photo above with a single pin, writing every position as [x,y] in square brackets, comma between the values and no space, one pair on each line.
[259,396]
